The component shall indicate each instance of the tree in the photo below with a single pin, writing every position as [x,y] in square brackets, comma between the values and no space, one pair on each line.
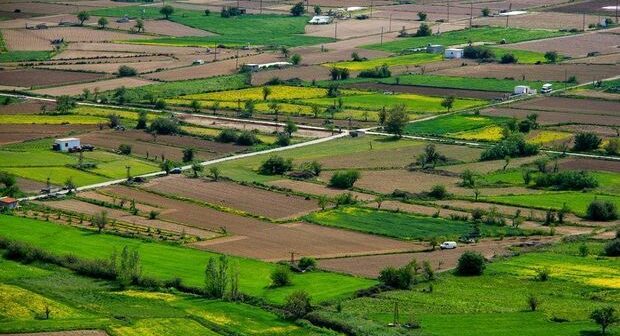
[508,58]
[485,11]
[216,277]
[612,248]
[297,9]
[427,271]
[422,16]
[9,185]
[296,59]
[396,120]
[126,71]
[430,156]
[124,149]
[468,179]
[284,50]
[532,302]
[83,16]
[602,210]
[100,220]
[64,104]
[128,270]
[102,22]
[166,11]
[166,166]
[280,277]
[215,172]
[317,10]
[424,30]
[323,202]
[344,179]
[195,105]
[139,26]
[69,184]
[188,154]
[438,191]
[433,242]
[266,92]
[248,108]
[164,126]
[275,165]
[586,141]
[290,127]
[197,168]
[470,263]
[613,146]
[604,317]
[297,304]
[142,118]
[382,116]
[551,56]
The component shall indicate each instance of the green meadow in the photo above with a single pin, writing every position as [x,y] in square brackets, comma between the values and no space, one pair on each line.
[77,302]
[165,261]
[450,82]
[495,303]
[452,124]
[465,36]
[401,225]
[577,201]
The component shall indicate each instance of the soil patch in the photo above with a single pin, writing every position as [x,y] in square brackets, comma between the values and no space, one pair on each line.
[542,72]
[40,77]
[589,164]
[103,85]
[22,132]
[552,117]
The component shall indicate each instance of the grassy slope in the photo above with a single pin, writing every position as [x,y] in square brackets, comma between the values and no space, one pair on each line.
[264,29]
[245,169]
[400,225]
[78,302]
[485,34]
[165,261]
[495,303]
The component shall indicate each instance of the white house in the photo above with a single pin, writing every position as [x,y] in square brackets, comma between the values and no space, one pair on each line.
[321,19]
[453,53]
[256,67]
[66,144]
[523,90]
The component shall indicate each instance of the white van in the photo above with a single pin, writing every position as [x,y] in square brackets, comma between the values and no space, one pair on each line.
[448,245]
[546,88]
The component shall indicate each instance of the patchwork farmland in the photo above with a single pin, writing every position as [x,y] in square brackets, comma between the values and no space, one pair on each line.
[322,168]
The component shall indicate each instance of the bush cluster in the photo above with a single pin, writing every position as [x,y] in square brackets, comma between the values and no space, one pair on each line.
[399,278]
[478,52]
[567,180]
[470,263]
[275,165]
[378,72]
[164,126]
[602,211]
[245,138]
[513,146]
[344,179]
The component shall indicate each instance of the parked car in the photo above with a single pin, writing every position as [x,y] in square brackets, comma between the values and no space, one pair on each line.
[88,148]
[176,170]
[447,245]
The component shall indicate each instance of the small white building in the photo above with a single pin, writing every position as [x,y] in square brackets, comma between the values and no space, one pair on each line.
[435,49]
[453,53]
[66,144]
[278,65]
[523,90]
[198,62]
[321,19]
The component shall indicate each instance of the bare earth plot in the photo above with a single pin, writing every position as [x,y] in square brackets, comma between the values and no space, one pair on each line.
[590,164]
[40,77]
[43,8]
[103,85]
[82,34]
[602,59]
[232,195]
[70,54]
[418,209]
[26,107]
[487,166]
[590,7]
[553,118]
[51,20]
[434,12]
[21,39]
[539,20]
[134,48]
[317,189]
[257,239]
[574,105]
[371,266]
[307,73]
[23,132]
[161,27]
[507,4]
[141,65]
[355,28]
[602,131]
[548,72]
[604,42]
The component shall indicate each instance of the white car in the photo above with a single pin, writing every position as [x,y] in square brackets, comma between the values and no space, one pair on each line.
[448,245]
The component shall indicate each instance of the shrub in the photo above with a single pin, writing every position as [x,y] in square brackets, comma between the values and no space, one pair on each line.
[247,138]
[604,317]
[345,199]
[532,302]
[477,214]
[344,179]
[280,277]
[275,165]
[602,211]
[306,263]
[378,72]
[188,154]
[126,71]
[438,192]
[226,135]
[297,9]
[422,16]
[424,30]
[612,248]
[485,11]
[470,263]
[282,139]
[297,304]
[164,126]
[508,59]
[399,278]
[124,149]
[586,141]
[513,146]
[567,180]
[551,56]
[613,146]
[478,52]
[542,274]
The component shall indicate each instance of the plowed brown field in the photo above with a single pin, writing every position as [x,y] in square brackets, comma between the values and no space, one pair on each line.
[22,132]
[40,77]
[544,72]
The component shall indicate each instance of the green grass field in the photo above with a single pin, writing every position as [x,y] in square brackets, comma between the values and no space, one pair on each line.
[24,56]
[82,303]
[483,84]
[411,59]
[484,34]
[452,124]
[577,201]
[523,56]
[35,160]
[401,225]
[267,29]
[413,103]
[165,261]
[495,303]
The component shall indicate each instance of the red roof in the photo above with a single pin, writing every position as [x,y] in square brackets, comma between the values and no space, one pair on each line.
[7,200]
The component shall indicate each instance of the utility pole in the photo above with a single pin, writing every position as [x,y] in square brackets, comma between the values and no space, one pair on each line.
[507,16]
[215,53]
[390,30]
[335,30]
[237,59]
[448,5]
[471,13]
[617,4]
[293,257]
[261,7]
[584,22]
[371,3]
[381,35]
[128,172]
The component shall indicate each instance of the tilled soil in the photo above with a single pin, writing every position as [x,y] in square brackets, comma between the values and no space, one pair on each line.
[22,132]
[102,85]
[40,77]
[542,72]
[552,117]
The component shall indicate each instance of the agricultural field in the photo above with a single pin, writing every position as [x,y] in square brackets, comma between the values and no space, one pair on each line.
[462,37]
[454,125]
[412,60]
[482,84]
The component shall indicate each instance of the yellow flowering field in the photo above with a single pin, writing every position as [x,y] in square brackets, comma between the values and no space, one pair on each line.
[280,92]
[544,136]
[20,304]
[491,133]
